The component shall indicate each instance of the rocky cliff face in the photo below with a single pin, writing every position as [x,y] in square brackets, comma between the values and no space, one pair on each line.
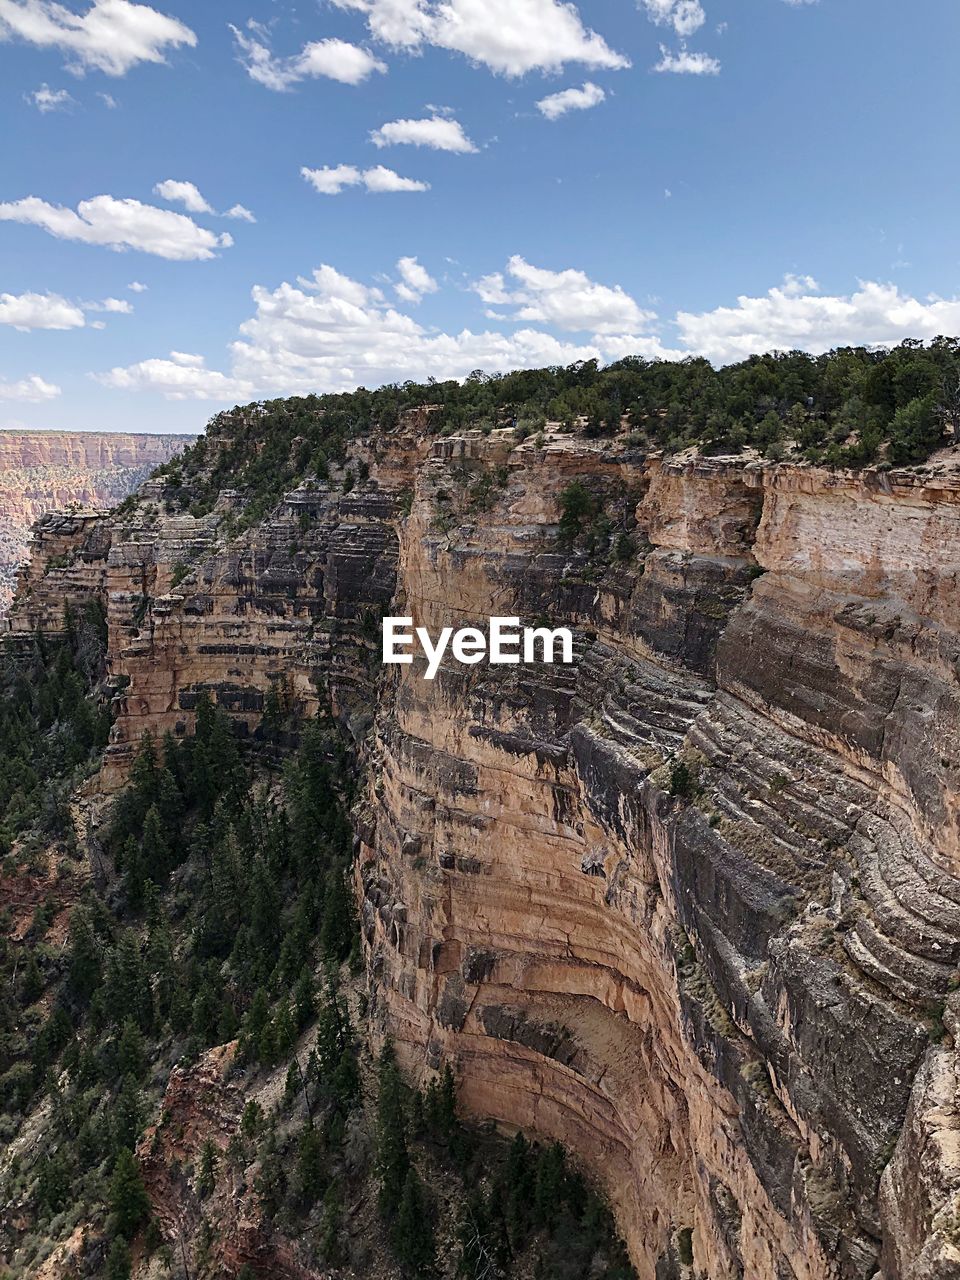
[42,471]
[691,904]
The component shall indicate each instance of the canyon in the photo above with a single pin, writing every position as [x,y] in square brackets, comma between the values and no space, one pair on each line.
[41,471]
[690,904]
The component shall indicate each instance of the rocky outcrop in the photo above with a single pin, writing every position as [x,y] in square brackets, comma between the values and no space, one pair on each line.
[691,904]
[41,471]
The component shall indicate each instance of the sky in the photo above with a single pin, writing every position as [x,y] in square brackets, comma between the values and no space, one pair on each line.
[208,203]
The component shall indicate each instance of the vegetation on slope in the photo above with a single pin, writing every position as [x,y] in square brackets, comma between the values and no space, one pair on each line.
[220,911]
[851,407]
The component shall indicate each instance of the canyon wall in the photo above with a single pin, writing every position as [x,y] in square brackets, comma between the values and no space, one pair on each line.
[41,471]
[690,904]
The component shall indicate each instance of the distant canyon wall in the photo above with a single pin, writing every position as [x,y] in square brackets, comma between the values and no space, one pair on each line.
[42,471]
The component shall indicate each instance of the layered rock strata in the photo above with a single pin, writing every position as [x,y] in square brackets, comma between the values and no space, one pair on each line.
[41,471]
[691,904]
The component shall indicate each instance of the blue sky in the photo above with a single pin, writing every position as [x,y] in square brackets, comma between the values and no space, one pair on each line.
[724,176]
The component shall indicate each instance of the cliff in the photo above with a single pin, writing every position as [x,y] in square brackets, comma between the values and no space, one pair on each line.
[42,471]
[691,905]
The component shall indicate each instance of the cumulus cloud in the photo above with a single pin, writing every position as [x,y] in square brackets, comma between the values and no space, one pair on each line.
[119,225]
[555,105]
[187,194]
[796,316]
[565,299]
[415,280]
[46,99]
[27,311]
[685,16]
[441,133]
[510,37]
[685,63]
[184,193]
[181,376]
[115,306]
[332,59]
[329,332]
[135,286]
[331,180]
[32,388]
[111,36]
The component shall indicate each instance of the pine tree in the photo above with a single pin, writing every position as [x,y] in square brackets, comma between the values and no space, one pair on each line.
[85,972]
[330,1223]
[118,1261]
[311,1176]
[549,1184]
[134,873]
[412,1234]
[130,1050]
[155,847]
[128,1196]
[392,1156]
[338,928]
[207,1170]
[126,1117]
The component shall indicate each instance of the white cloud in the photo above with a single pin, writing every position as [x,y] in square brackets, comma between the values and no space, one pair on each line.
[794,316]
[510,37]
[555,105]
[46,99]
[439,132]
[684,63]
[32,388]
[793,285]
[120,224]
[112,36]
[330,181]
[329,332]
[332,333]
[415,280]
[184,193]
[109,101]
[333,59]
[180,377]
[28,311]
[136,287]
[116,306]
[566,299]
[187,194]
[39,311]
[685,16]
[380,179]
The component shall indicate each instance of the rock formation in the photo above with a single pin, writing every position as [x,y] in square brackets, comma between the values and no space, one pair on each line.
[41,471]
[692,904]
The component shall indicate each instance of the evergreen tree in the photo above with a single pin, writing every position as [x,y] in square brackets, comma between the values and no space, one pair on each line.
[207,1169]
[131,1058]
[128,1197]
[338,928]
[127,1115]
[392,1157]
[118,1260]
[412,1234]
[311,1176]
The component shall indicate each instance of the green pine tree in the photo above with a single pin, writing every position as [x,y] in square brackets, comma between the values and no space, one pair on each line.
[128,1197]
